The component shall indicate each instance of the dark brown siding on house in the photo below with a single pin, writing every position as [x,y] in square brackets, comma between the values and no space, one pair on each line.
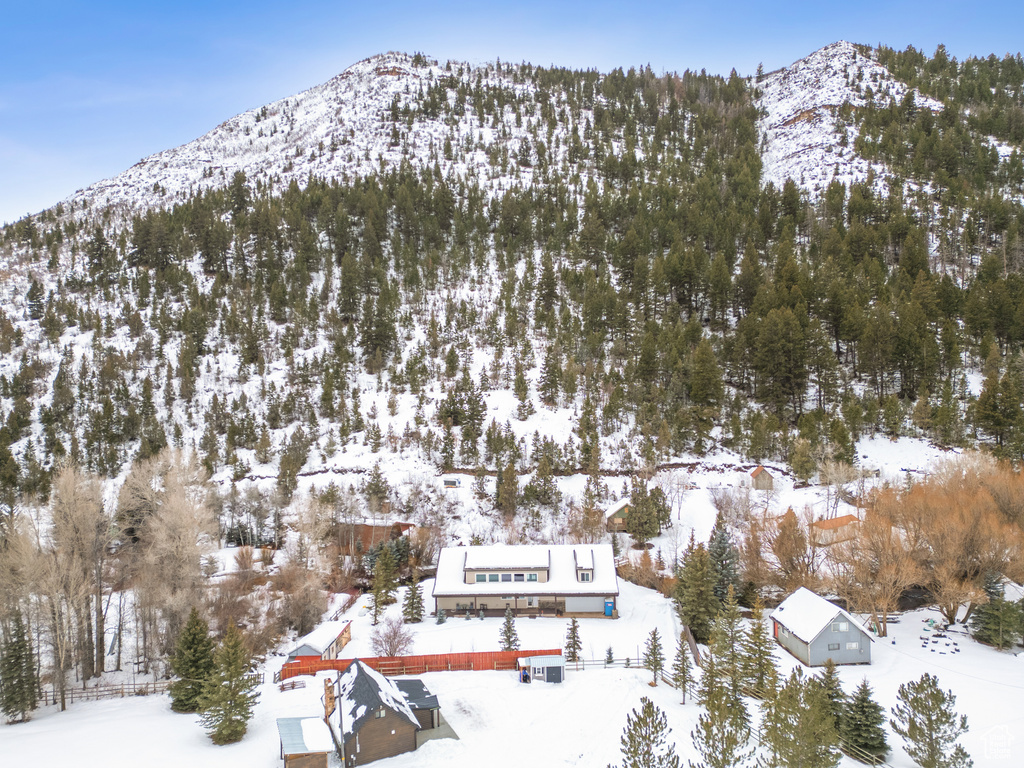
[423,716]
[376,740]
[306,761]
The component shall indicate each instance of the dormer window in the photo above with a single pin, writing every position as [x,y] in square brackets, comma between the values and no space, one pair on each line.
[584,575]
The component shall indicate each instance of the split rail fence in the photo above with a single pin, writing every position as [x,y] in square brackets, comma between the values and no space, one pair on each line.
[50,695]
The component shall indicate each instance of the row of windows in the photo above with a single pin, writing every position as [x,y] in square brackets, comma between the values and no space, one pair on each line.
[481,577]
[853,646]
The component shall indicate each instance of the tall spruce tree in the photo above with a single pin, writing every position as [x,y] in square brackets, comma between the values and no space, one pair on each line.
[757,660]
[509,636]
[384,582]
[722,735]
[861,727]
[828,679]
[726,643]
[925,717]
[798,727]
[230,693]
[17,672]
[724,558]
[654,657]
[412,606]
[694,596]
[192,664]
[682,669]
[573,644]
[999,622]
[645,742]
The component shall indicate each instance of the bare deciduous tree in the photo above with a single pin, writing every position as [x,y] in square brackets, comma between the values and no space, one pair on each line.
[392,638]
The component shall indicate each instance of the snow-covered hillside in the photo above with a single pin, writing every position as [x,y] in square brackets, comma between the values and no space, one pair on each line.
[802,138]
[351,126]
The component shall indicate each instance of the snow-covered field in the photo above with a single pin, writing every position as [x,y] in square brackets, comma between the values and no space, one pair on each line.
[503,723]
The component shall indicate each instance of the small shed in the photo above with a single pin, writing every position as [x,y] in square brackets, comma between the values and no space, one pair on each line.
[616,516]
[305,742]
[815,630]
[542,669]
[825,533]
[761,479]
[325,642]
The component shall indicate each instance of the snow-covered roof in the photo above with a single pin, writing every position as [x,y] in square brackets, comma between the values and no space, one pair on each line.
[835,522]
[618,506]
[362,691]
[304,735]
[806,614]
[455,561]
[501,557]
[549,660]
[321,637]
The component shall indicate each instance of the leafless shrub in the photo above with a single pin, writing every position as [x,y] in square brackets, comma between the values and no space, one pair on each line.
[392,638]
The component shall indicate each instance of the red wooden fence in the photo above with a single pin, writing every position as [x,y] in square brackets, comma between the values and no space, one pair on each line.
[418,665]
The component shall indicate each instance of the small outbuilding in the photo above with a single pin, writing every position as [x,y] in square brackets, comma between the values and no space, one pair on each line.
[815,630]
[761,479]
[616,516]
[325,642]
[542,669]
[835,530]
[305,742]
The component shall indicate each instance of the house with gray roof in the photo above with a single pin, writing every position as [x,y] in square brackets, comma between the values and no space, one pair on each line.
[815,630]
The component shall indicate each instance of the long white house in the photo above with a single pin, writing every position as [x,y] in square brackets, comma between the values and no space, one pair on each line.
[555,579]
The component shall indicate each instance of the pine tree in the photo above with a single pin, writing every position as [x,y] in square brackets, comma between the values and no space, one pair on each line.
[654,657]
[412,607]
[645,742]
[694,596]
[861,725]
[724,558]
[609,656]
[17,672]
[758,657]
[999,622]
[192,664]
[442,617]
[229,694]
[509,636]
[682,670]
[384,582]
[573,645]
[926,719]
[726,644]
[828,680]
[722,734]
[798,726]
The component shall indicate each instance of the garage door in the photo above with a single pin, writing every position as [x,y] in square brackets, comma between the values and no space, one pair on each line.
[584,604]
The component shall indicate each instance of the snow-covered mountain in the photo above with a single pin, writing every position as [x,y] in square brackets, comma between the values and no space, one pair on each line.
[353,125]
[803,134]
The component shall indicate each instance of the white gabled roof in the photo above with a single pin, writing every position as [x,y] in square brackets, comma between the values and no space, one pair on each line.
[559,559]
[618,506]
[321,637]
[806,614]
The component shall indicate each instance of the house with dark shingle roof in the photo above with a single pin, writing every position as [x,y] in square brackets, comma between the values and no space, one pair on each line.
[374,718]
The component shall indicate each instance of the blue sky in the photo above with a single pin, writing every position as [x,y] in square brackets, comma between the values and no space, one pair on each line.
[88,89]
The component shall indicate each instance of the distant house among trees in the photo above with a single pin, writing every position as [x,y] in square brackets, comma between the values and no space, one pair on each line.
[359,538]
[616,516]
[815,630]
[825,533]
[325,642]
[761,479]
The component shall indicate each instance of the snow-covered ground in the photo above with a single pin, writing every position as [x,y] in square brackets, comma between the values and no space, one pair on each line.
[503,723]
